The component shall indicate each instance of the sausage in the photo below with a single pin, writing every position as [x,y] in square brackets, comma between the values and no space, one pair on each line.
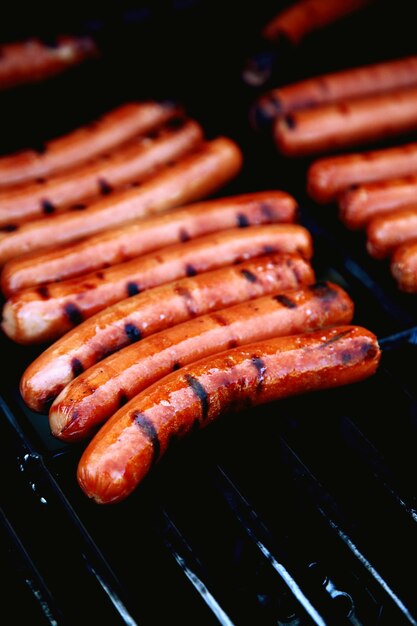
[197,175]
[123,451]
[86,142]
[357,82]
[351,122]
[306,16]
[33,60]
[118,245]
[328,177]
[386,233]
[44,314]
[152,311]
[358,206]
[404,267]
[97,393]
[134,162]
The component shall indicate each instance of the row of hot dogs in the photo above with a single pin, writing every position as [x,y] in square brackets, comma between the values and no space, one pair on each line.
[167,321]
[375,190]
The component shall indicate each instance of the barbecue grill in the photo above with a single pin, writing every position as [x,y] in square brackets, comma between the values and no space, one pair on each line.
[300,512]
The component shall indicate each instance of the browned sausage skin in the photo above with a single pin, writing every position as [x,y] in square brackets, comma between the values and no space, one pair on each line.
[46,313]
[351,122]
[33,60]
[132,163]
[388,232]
[197,175]
[84,143]
[152,311]
[306,16]
[125,448]
[118,245]
[358,206]
[97,393]
[356,82]
[328,177]
[404,267]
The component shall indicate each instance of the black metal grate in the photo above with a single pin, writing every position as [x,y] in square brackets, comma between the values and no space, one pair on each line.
[301,512]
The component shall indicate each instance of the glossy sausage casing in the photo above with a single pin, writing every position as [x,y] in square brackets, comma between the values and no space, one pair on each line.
[198,174]
[44,314]
[125,448]
[348,123]
[118,245]
[133,163]
[97,393]
[86,142]
[328,177]
[404,267]
[388,232]
[356,82]
[153,310]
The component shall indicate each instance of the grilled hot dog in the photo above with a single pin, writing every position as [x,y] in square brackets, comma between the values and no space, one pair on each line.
[84,143]
[134,162]
[388,232]
[97,393]
[404,267]
[33,60]
[328,177]
[125,448]
[44,314]
[154,310]
[351,122]
[115,246]
[357,82]
[360,205]
[197,175]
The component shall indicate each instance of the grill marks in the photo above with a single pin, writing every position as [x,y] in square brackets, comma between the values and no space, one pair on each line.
[76,367]
[73,313]
[47,207]
[132,332]
[250,276]
[187,296]
[242,220]
[200,393]
[260,369]
[104,187]
[285,301]
[149,431]
[132,289]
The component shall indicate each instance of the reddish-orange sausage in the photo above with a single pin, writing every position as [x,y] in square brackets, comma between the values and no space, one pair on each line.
[116,246]
[195,176]
[31,61]
[126,447]
[44,314]
[86,142]
[97,393]
[351,122]
[134,162]
[404,267]
[328,177]
[306,16]
[355,82]
[358,206]
[388,232]
[154,310]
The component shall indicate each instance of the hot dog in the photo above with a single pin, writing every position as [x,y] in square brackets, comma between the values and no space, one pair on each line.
[152,311]
[117,245]
[134,162]
[34,60]
[388,232]
[404,267]
[46,313]
[195,176]
[97,393]
[328,177]
[356,82]
[137,435]
[358,206]
[84,143]
[348,123]
[306,16]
